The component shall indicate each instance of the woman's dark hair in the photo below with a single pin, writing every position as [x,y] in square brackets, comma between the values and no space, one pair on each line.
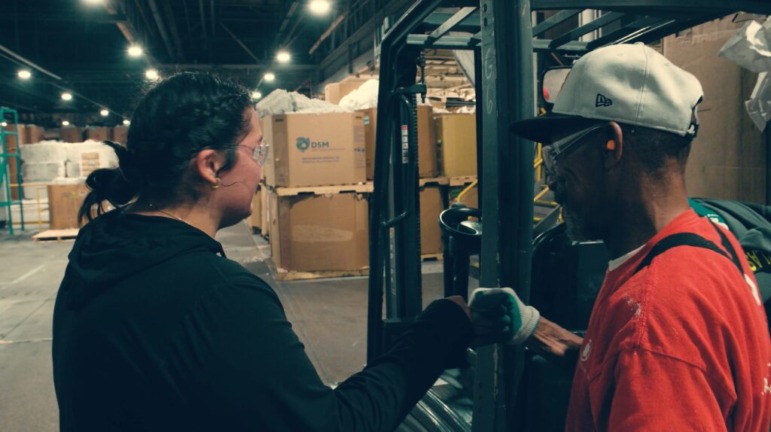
[176,119]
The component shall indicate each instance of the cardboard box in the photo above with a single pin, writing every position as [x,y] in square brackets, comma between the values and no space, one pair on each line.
[315,149]
[457,141]
[255,220]
[11,148]
[264,211]
[89,161]
[71,134]
[431,205]
[312,233]
[98,133]
[335,91]
[33,134]
[64,201]
[120,134]
[728,159]
[427,158]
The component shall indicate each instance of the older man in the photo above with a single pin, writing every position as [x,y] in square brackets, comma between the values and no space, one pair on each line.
[678,338]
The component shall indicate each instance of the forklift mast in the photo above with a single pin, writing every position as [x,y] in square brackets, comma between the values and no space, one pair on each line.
[511,40]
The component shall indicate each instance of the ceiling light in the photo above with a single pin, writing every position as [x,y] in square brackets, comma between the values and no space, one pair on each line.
[104,113]
[256,95]
[65,123]
[283,57]
[126,122]
[66,96]
[269,77]
[93,2]
[151,74]
[4,124]
[24,74]
[135,51]
[319,7]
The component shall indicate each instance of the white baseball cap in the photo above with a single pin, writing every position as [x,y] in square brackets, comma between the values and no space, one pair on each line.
[627,83]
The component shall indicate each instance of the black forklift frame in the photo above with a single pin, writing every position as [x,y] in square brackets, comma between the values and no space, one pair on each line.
[503,39]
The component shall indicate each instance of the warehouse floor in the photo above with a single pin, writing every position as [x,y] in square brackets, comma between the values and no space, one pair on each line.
[329,316]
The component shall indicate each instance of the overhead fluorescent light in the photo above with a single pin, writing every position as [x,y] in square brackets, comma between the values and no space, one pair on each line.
[135,51]
[67,96]
[320,7]
[269,77]
[24,74]
[283,57]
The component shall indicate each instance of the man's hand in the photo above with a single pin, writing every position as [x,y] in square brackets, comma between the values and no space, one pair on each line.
[499,316]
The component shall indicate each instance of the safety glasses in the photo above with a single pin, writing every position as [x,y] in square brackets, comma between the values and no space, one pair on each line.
[260,153]
[558,149]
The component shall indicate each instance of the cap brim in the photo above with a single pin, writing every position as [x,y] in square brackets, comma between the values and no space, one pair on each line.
[542,129]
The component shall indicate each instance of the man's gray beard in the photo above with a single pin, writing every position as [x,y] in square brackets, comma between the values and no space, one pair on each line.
[577,230]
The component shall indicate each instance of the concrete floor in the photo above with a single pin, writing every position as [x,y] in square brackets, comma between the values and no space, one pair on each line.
[329,316]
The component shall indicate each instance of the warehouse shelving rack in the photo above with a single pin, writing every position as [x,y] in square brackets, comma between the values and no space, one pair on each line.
[8,154]
[503,39]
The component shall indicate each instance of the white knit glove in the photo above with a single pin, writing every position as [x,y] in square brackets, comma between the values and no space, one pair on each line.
[499,316]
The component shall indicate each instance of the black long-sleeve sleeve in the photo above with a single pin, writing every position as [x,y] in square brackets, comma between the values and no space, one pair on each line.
[249,370]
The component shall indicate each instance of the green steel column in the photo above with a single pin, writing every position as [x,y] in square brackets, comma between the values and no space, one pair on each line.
[507,201]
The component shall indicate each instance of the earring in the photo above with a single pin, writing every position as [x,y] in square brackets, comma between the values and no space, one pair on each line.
[216,185]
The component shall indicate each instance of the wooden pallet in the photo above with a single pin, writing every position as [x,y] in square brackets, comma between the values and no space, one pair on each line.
[63,234]
[432,257]
[324,190]
[433,181]
[460,181]
[290,275]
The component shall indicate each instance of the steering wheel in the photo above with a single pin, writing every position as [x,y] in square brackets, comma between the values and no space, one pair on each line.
[455,222]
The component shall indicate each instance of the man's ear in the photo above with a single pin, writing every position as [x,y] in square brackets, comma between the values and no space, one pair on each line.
[208,163]
[614,146]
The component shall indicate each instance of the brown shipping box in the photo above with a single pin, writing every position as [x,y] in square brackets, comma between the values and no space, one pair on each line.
[264,211]
[728,157]
[89,161]
[336,91]
[120,134]
[457,142]
[312,233]
[431,206]
[71,134]
[98,133]
[64,201]
[255,218]
[315,149]
[427,159]
[33,134]
[11,148]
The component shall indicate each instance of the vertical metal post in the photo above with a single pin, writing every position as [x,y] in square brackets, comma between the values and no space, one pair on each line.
[507,201]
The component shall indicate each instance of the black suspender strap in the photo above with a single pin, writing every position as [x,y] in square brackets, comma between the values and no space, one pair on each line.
[695,240]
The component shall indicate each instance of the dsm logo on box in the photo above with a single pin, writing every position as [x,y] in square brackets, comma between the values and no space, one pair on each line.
[304,143]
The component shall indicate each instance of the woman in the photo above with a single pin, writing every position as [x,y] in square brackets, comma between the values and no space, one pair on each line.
[155,330]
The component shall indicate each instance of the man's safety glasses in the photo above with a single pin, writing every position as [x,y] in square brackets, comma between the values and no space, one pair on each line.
[551,153]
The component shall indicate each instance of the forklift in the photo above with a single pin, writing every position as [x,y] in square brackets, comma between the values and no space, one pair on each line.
[512,41]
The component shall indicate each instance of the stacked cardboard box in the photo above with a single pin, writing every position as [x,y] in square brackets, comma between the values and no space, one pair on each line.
[729,156]
[71,134]
[120,134]
[319,233]
[427,157]
[64,201]
[98,133]
[314,173]
[457,141]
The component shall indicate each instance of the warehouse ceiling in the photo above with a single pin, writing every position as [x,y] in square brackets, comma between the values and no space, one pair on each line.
[75,46]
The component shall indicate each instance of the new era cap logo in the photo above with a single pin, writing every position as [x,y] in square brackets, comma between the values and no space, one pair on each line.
[603,101]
